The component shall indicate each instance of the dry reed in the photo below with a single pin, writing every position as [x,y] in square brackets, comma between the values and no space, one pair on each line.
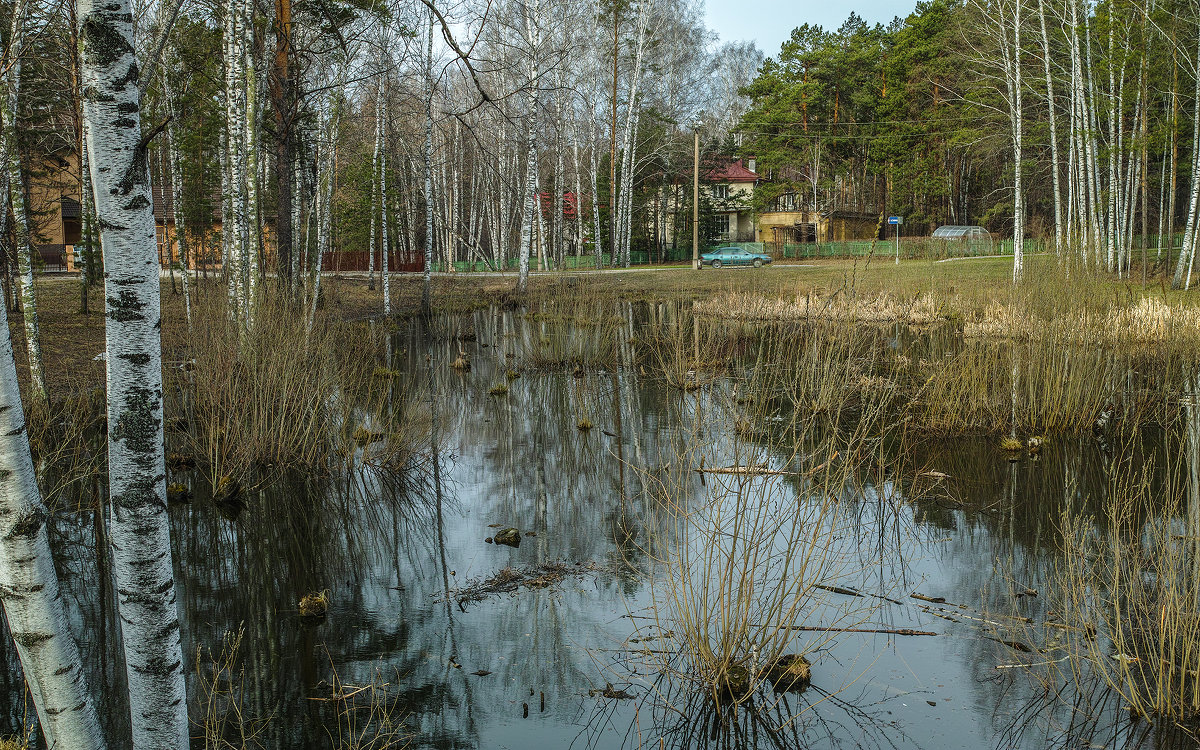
[750,553]
[1127,586]
[278,396]
[369,716]
[224,719]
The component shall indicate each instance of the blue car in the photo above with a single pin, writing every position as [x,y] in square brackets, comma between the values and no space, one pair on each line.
[733,256]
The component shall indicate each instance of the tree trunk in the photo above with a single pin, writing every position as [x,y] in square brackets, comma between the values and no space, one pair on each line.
[385,270]
[33,605]
[530,202]
[375,190]
[284,101]
[1188,251]
[179,222]
[16,187]
[426,280]
[137,488]
[1051,106]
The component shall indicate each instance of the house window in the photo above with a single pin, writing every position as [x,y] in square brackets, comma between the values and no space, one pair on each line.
[720,192]
[723,225]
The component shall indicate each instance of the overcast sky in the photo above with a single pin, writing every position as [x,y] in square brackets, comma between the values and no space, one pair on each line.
[770,22]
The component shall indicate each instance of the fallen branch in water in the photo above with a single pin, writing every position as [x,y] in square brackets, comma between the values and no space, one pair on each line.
[753,470]
[761,470]
[881,631]
[934,599]
[851,592]
[1032,664]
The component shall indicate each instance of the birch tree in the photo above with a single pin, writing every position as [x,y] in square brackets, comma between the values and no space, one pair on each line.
[529,216]
[141,543]
[33,604]
[14,180]
[426,283]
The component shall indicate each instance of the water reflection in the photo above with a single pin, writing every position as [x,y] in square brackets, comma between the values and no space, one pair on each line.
[956,521]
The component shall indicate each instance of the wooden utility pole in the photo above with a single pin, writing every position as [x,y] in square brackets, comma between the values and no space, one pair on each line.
[696,204]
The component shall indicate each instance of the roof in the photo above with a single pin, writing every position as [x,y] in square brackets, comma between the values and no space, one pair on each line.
[70,207]
[731,171]
[953,231]
[164,203]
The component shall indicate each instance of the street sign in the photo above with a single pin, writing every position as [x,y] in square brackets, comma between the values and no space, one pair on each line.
[896,221]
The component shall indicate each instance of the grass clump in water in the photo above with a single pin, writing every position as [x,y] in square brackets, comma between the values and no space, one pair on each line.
[1127,587]
[278,395]
[752,555]
[314,606]
[1011,444]
[499,389]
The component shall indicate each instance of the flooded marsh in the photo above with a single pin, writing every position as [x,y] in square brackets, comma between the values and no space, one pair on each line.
[747,500]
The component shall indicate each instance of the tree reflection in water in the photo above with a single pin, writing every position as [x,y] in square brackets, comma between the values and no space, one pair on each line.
[389,547]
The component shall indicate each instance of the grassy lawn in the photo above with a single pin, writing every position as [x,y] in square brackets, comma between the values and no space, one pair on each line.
[71,341]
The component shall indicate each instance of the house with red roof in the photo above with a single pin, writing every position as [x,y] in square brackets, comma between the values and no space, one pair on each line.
[730,187]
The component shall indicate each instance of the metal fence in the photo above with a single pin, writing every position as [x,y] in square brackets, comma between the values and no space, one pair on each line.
[912,248]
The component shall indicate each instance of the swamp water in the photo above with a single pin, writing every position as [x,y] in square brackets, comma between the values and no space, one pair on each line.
[421,631]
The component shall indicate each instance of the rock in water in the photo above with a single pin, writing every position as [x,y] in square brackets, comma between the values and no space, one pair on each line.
[734,683]
[509,536]
[314,606]
[178,493]
[229,489]
[790,672]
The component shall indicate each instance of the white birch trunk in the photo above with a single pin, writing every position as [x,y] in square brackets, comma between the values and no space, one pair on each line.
[16,187]
[1052,107]
[624,192]
[426,280]
[576,166]
[530,207]
[33,605]
[86,223]
[322,199]
[139,532]
[1010,52]
[253,250]
[375,190]
[383,221]
[596,193]
[177,201]
[227,198]
[1188,251]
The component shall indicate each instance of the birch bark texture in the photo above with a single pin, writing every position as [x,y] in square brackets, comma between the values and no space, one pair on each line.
[15,182]
[426,284]
[33,605]
[530,198]
[139,533]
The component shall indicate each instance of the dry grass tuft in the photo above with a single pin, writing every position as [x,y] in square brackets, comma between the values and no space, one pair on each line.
[314,605]
[922,309]
[278,396]
[225,702]
[1127,586]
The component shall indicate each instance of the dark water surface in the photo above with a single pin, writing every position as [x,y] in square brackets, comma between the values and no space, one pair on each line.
[388,550]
